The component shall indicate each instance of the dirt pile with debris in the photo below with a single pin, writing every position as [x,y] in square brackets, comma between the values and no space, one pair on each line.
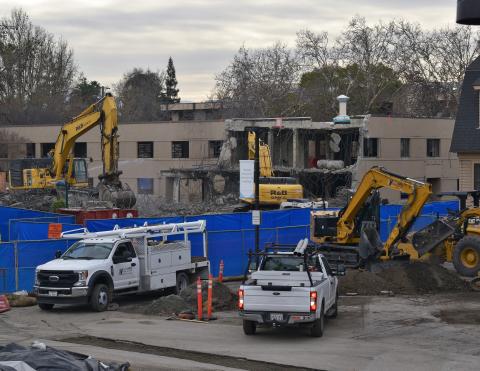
[409,278]
[223,297]
[165,305]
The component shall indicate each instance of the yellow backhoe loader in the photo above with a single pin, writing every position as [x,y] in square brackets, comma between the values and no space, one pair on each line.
[273,190]
[61,166]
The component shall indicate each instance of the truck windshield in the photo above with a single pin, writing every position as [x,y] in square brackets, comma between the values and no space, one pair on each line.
[287,263]
[82,250]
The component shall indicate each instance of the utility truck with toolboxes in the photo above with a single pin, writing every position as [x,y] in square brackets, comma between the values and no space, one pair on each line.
[292,286]
[121,261]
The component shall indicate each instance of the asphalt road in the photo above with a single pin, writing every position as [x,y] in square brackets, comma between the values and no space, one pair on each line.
[438,332]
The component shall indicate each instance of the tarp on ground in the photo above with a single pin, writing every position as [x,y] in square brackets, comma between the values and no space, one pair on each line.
[48,358]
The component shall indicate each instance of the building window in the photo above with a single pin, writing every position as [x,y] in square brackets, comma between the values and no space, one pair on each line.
[30,150]
[145,186]
[214,148]
[145,149]
[433,147]
[80,150]
[45,148]
[180,149]
[370,147]
[405,147]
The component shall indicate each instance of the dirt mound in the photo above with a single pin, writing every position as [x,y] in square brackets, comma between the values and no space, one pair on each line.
[166,305]
[402,278]
[223,298]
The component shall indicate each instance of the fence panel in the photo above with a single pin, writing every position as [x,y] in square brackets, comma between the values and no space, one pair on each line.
[33,253]
[7,267]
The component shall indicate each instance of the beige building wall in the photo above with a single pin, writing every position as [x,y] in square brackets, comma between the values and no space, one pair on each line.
[467,163]
[442,171]
[197,133]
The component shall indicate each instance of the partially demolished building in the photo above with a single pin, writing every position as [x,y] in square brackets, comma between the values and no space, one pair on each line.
[330,157]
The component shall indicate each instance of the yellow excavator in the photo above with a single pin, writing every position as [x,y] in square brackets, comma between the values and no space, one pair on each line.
[355,229]
[352,235]
[61,166]
[273,189]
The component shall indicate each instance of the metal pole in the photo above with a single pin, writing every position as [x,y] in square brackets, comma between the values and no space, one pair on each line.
[257,191]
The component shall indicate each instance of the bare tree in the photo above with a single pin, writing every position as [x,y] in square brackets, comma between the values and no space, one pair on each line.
[262,82]
[357,64]
[435,63]
[36,74]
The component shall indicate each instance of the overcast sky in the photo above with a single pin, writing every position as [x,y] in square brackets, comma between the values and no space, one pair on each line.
[111,37]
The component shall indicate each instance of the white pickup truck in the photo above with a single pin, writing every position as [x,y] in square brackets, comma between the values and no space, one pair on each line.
[291,287]
[121,261]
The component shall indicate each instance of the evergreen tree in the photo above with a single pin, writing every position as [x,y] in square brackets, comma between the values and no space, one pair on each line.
[171,93]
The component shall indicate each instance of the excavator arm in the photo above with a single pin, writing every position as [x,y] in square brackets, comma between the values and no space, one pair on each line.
[266,168]
[376,178]
[103,113]
[72,130]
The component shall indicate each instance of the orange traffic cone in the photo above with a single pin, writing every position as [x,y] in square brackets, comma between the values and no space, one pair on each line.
[4,304]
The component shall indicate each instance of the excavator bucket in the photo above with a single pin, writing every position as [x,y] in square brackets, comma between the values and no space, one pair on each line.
[370,245]
[121,197]
[111,189]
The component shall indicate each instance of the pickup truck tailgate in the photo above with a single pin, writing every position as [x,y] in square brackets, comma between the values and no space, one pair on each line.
[280,299]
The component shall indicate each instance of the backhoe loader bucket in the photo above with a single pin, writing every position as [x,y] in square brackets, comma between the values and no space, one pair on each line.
[430,236]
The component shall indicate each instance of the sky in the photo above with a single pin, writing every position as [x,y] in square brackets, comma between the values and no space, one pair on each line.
[111,37]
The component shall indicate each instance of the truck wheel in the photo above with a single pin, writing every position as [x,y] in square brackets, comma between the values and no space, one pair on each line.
[334,309]
[182,282]
[317,329]
[45,306]
[466,256]
[249,327]
[100,297]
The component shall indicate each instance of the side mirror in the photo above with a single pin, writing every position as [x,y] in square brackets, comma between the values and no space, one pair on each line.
[116,259]
[340,271]
[58,254]
[128,260]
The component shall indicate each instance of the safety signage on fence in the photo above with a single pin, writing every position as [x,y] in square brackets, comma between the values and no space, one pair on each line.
[246,179]
[54,230]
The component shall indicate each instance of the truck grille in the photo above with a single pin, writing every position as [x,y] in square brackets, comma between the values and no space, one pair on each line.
[57,278]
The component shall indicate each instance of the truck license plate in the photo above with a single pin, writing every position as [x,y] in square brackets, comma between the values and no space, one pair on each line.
[276,316]
[52,293]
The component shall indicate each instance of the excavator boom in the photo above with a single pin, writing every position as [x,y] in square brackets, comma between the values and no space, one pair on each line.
[342,234]
[103,113]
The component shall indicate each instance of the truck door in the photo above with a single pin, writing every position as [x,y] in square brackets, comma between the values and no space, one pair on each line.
[125,266]
[331,280]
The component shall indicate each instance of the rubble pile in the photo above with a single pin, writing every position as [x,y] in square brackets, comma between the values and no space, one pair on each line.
[168,305]
[223,297]
[408,278]
[28,200]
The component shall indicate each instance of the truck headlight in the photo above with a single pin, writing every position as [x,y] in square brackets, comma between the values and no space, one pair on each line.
[82,278]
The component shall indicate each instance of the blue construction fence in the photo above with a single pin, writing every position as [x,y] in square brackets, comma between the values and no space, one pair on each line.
[229,236]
